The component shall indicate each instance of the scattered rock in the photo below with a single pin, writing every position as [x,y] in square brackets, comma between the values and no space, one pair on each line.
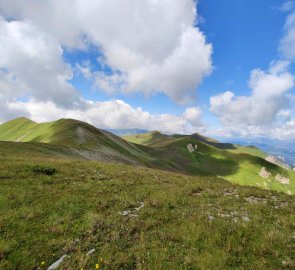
[264,173]
[289,192]
[254,200]
[281,205]
[190,148]
[132,212]
[245,219]
[282,179]
[56,264]
[288,263]
[90,252]
[224,215]
[210,218]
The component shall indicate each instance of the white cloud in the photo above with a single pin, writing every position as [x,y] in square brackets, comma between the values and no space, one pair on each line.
[286,131]
[31,65]
[287,45]
[111,114]
[256,113]
[193,116]
[287,6]
[151,46]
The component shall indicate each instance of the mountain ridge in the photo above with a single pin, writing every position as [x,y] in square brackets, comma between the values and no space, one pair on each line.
[187,154]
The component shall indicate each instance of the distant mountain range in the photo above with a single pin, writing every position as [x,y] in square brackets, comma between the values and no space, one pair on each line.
[284,150]
[130,131]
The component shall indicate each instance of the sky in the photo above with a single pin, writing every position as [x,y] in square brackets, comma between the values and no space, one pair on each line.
[220,68]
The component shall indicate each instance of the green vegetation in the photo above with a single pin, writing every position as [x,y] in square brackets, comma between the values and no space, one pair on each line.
[44,170]
[135,217]
[209,157]
[237,164]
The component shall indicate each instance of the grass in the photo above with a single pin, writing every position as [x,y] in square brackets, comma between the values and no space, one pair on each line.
[80,208]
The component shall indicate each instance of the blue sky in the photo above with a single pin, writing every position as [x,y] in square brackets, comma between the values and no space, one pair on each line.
[224,69]
[245,35]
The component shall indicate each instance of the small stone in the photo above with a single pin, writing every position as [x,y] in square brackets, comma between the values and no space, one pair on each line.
[245,218]
[90,252]
[210,218]
[264,173]
[56,264]
[282,179]
[125,213]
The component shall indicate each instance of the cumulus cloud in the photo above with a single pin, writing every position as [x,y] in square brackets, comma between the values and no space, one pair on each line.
[286,131]
[287,45]
[268,101]
[111,114]
[31,65]
[193,116]
[150,46]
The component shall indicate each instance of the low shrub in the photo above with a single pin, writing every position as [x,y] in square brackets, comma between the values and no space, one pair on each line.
[44,170]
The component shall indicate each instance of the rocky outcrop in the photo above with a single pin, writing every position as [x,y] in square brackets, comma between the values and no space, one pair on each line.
[282,179]
[191,148]
[264,173]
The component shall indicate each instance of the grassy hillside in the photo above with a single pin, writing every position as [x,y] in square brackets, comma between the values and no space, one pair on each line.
[147,139]
[134,217]
[238,164]
[85,139]
[208,157]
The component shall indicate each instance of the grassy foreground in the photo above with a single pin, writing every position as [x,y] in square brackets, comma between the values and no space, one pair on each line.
[171,221]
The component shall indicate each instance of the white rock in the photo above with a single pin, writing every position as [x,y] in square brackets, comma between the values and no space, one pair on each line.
[90,251]
[56,264]
[190,148]
[282,179]
[264,173]
[245,218]
[210,218]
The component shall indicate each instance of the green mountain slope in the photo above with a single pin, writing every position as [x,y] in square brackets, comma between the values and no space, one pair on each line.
[238,164]
[85,139]
[134,217]
[194,154]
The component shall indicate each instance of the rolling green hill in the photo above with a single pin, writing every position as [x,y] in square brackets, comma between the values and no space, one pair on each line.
[194,154]
[85,140]
[238,164]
